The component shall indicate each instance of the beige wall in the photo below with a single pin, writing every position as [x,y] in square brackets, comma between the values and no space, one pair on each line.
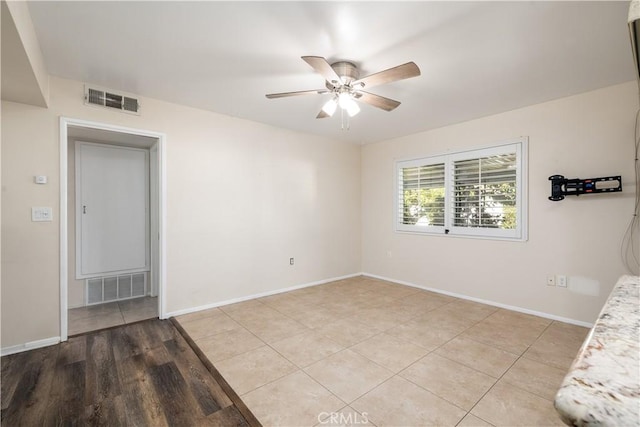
[242,198]
[30,291]
[583,136]
[24,75]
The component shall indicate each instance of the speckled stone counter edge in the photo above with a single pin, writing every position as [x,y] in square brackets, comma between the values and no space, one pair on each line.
[602,386]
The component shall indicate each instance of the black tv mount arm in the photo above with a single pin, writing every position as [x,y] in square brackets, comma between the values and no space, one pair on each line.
[561,186]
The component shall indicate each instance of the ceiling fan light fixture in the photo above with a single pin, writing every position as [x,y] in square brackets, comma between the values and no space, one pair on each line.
[346,102]
[330,107]
[352,108]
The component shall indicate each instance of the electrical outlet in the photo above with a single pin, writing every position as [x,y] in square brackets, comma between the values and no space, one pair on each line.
[561,281]
[290,261]
[551,281]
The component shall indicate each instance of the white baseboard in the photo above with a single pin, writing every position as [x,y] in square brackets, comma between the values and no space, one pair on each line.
[29,346]
[388,279]
[483,301]
[254,296]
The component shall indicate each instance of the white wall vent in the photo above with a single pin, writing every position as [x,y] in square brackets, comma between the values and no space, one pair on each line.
[115,288]
[94,95]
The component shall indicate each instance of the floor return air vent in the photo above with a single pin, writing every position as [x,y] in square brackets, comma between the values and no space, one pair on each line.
[114,288]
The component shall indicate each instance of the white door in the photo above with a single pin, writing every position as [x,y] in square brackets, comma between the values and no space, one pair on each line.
[112,199]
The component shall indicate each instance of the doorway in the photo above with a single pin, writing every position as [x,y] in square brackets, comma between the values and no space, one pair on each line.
[98,292]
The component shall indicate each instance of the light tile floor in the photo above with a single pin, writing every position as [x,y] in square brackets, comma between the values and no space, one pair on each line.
[100,316]
[371,353]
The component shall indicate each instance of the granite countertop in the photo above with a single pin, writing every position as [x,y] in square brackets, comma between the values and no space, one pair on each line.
[603,384]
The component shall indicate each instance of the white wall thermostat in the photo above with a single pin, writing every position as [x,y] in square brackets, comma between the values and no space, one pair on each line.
[41,179]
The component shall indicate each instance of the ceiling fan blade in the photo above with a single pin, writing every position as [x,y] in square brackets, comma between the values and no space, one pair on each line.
[322,115]
[401,72]
[324,69]
[301,92]
[377,100]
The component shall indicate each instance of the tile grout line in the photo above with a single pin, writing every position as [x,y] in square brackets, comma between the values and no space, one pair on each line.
[235,329]
[302,369]
[348,347]
[264,344]
[505,373]
[393,374]
[298,368]
[101,317]
[233,396]
[446,342]
[284,311]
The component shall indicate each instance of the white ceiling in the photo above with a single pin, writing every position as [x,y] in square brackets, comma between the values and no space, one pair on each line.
[477,58]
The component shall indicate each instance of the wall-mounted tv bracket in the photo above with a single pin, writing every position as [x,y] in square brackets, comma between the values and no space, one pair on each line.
[561,186]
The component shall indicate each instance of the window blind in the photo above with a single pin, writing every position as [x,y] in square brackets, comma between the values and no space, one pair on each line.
[485,192]
[422,201]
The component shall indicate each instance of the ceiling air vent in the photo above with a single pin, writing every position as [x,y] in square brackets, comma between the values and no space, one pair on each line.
[109,99]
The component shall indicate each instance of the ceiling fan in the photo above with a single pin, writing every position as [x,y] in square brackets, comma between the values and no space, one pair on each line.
[344,83]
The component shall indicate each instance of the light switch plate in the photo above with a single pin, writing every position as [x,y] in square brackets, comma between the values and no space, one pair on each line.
[39,214]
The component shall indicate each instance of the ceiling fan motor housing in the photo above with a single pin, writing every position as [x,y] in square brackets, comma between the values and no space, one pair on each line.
[347,71]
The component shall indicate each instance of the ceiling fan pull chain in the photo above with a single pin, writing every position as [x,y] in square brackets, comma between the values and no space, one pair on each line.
[342,127]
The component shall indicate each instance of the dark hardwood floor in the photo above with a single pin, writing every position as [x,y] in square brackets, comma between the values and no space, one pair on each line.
[141,374]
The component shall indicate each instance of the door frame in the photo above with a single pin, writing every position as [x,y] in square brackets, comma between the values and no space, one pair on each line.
[161,178]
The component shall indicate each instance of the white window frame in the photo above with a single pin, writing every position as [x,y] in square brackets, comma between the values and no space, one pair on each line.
[520,233]
[427,161]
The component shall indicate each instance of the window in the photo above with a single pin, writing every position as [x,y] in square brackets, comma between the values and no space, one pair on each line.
[479,193]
